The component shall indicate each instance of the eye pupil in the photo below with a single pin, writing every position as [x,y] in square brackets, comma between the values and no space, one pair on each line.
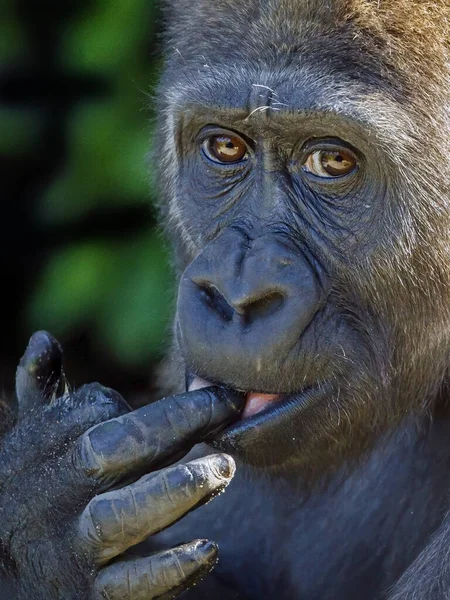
[225,148]
[330,163]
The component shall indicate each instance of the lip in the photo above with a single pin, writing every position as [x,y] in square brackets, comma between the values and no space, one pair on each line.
[257,430]
[299,400]
[274,409]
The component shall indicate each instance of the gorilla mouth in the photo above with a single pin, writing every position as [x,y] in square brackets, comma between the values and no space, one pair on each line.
[256,402]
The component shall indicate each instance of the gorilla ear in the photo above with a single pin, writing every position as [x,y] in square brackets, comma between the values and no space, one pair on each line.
[39,376]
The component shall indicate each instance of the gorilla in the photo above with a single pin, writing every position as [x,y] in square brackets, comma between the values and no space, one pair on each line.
[303,149]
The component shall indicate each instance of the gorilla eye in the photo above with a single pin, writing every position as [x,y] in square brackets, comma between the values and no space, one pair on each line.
[330,163]
[225,148]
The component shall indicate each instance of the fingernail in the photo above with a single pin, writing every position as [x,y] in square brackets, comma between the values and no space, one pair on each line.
[208,548]
[41,346]
[225,465]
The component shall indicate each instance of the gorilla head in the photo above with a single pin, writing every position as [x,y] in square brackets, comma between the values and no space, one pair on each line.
[305,183]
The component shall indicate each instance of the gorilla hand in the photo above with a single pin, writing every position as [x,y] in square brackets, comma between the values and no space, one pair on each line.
[78,487]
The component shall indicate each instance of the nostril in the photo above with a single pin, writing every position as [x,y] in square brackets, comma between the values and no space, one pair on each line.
[213,298]
[262,307]
[245,310]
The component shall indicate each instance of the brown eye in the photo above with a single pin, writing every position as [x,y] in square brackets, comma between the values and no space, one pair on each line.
[225,148]
[330,163]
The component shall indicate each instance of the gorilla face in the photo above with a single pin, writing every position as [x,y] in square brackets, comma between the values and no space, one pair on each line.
[300,210]
[280,208]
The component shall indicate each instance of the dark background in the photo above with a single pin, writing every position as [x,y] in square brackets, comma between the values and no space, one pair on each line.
[81,253]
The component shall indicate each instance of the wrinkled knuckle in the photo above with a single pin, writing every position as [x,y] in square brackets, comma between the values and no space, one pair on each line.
[209,400]
[103,589]
[176,416]
[119,582]
[191,478]
[93,391]
[191,413]
[179,484]
[151,576]
[89,459]
[178,574]
[195,477]
[98,395]
[129,498]
[91,524]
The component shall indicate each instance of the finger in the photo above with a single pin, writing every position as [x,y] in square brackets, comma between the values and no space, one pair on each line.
[145,439]
[163,575]
[87,406]
[96,398]
[117,520]
[39,372]
[61,424]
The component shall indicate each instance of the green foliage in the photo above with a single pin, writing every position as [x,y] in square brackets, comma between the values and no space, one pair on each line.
[122,291]
[107,162]
[108,137]
[19,131]
[106,37]
[119,290]
[13,42]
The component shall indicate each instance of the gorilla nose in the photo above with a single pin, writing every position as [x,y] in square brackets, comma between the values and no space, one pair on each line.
[245,308]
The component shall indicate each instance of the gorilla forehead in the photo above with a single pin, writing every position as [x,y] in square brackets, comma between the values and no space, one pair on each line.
[276,33]
[397,35]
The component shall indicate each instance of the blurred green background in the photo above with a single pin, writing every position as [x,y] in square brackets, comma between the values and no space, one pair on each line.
[81,252]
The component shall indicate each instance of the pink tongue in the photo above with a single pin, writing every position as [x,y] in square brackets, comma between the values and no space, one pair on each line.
[255,402]
[258,402]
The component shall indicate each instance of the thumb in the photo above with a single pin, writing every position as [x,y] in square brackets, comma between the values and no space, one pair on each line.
[39,375]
